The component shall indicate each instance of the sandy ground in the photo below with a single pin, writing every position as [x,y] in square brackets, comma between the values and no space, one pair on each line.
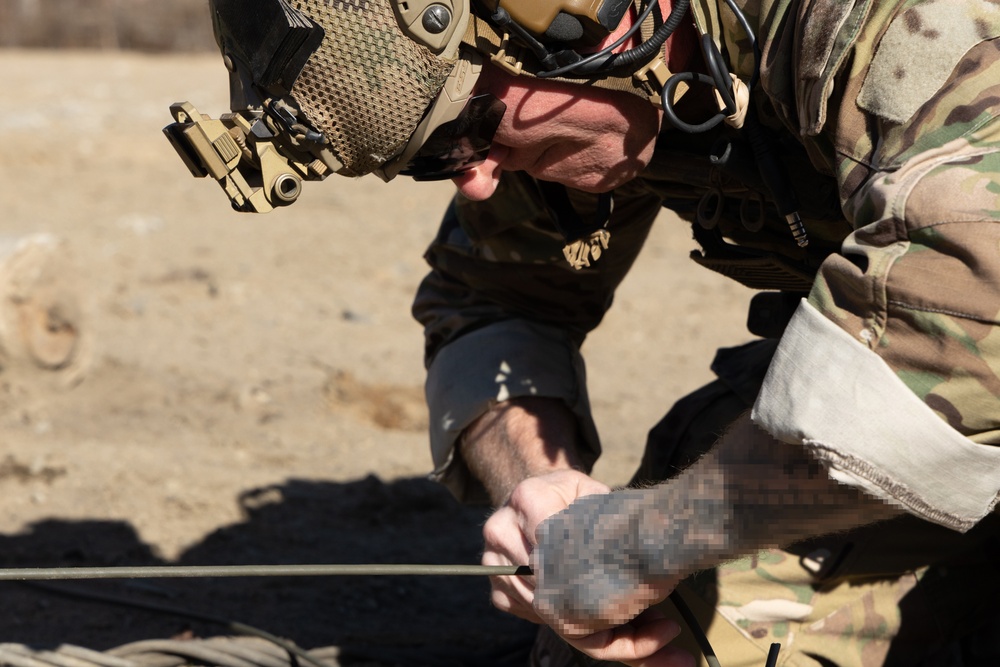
[248,388]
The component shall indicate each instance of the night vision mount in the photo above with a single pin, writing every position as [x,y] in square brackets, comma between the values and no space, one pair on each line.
[262,151]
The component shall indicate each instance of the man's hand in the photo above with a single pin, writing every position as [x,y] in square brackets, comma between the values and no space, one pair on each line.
[615,631]
[510,533]
[605,556]
[598,563]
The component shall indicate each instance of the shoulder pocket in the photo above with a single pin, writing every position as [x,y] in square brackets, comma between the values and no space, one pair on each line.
[920,50]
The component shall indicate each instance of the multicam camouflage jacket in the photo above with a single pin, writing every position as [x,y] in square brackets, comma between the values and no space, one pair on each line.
[884,114]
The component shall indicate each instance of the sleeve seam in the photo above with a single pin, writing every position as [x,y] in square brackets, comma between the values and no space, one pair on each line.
[942,311]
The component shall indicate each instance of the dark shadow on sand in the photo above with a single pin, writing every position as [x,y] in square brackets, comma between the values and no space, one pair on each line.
[407,620]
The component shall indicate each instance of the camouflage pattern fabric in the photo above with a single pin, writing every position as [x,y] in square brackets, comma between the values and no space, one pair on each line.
[918,282]
[899,593]
[901,215]
[885,113]
[344,87]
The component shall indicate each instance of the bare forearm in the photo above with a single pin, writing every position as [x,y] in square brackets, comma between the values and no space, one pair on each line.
[518,439]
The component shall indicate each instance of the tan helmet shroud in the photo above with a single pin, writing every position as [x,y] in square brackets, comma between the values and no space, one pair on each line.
[369,84]
[386,76]
[380,82]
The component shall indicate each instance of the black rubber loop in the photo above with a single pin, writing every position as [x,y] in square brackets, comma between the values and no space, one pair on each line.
[668,106]
[710,208]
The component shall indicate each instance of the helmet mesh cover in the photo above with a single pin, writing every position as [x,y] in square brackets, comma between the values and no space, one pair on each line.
[368,85]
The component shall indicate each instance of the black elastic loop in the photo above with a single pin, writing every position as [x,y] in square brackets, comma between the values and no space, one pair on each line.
[668,106]
[710,208]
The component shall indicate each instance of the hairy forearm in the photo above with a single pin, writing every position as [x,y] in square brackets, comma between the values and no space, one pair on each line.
[517,439]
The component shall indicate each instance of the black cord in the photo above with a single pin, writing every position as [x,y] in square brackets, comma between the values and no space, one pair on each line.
[567,63]
[702,639]
[594,61]
[771,171]
[720,74]
[606,63]
[772,655]
[719,78]
[695,628]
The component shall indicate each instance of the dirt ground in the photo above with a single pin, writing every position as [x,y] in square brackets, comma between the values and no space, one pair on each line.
[248,389]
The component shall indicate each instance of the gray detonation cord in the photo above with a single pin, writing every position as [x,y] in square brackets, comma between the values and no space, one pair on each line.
[201,571]
[34,574]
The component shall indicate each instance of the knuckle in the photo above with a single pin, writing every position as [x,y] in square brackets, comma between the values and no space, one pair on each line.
[493,532]
[522,493]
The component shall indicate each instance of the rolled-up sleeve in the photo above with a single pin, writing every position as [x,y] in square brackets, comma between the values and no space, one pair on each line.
[890,372]
[501,361]
[505,315]
[840,399]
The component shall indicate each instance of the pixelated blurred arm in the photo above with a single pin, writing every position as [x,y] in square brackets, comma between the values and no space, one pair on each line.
[606,558]
[890,372]
[510,538]
[504,316]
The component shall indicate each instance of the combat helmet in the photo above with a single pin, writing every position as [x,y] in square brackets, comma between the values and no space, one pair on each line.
[355,87]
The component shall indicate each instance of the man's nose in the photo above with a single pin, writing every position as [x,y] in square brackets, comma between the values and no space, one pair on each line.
[481,181]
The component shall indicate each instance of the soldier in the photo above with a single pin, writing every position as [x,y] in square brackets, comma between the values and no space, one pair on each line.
[834,489]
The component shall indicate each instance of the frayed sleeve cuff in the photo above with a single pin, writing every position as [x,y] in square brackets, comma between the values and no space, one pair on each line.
[508,359]
[832,394]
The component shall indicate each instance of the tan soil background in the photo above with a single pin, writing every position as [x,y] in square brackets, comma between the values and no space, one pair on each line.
[248,389]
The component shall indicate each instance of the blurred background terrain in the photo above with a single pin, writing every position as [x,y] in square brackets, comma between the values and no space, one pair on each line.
[142,25]
[184,384]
